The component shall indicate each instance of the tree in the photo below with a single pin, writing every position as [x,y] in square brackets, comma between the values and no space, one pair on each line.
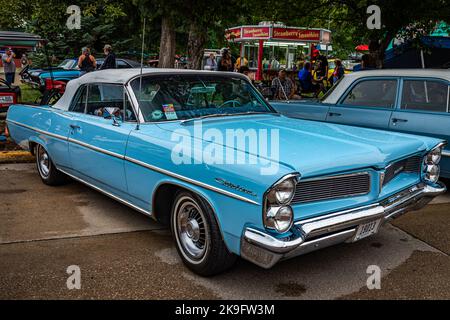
[167,44]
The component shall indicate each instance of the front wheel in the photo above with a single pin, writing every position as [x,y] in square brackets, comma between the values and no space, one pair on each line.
[49,174]
[197,236]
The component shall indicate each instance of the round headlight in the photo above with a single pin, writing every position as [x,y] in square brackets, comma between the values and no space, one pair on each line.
[283,192]
[280,218]
[434,157]
[432,173]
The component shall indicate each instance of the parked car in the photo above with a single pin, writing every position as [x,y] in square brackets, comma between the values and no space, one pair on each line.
[66,71]
[123,134]
[411,101]
[9,95]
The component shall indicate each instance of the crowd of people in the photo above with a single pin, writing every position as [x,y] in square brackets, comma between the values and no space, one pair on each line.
[86,62]
[312,76]
[226,62]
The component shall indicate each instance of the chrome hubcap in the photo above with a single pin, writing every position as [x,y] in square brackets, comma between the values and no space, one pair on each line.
[191,230]
[44,162]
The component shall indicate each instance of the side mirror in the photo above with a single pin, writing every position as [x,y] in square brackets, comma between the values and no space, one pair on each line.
[116,121]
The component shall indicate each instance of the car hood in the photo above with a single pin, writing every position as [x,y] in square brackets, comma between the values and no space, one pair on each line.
[312,148]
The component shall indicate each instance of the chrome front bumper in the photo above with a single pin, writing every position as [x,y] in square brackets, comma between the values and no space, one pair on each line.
[309,235]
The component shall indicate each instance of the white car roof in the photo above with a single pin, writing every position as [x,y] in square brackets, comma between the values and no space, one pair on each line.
[120,76]
[352,77]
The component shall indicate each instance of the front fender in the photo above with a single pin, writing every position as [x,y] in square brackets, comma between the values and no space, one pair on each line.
[231,215]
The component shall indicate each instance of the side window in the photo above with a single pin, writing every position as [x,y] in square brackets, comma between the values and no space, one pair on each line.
[425,95]
[122,64]
[79,102]
[104,100]
[373,93]
[107,100]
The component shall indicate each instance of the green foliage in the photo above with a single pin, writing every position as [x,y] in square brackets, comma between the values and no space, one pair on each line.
[119,22]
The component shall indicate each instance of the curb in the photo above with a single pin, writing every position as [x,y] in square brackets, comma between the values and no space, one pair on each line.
[16,157]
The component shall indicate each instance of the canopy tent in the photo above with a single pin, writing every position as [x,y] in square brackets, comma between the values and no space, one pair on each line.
[402,54]
[276,35]
[19,40]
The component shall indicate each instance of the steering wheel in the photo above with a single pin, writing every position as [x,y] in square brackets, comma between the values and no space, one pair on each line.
[228,102]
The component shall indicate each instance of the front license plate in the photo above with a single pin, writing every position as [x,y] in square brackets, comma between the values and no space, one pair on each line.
[367,229]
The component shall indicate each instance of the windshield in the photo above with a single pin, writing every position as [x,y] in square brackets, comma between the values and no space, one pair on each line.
[183,96]
[67,64]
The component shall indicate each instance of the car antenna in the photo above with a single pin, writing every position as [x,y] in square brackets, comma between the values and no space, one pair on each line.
[48,61]
[140,78]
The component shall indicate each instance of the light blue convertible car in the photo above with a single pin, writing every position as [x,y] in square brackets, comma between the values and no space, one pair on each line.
[412,101]
[206,154]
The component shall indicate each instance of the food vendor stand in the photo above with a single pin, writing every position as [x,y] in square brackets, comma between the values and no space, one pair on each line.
[274,40]
[20,42]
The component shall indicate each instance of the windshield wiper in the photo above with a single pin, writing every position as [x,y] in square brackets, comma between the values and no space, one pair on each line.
[216,115]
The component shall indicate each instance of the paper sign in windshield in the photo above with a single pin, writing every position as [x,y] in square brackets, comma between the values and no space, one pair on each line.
[169,111]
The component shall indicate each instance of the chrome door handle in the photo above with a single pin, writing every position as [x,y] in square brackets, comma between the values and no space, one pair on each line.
[334,114]
[397,120]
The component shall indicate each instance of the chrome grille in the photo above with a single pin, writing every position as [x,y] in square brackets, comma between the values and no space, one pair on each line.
[334,187]
[410,165]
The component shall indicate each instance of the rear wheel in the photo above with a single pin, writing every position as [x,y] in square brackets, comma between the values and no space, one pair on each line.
[197,236]
[49,174]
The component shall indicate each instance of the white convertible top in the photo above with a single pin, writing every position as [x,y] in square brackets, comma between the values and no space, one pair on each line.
[121,76]
[352,77]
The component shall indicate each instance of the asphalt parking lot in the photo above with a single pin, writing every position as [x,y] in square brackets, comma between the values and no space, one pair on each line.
[123,254]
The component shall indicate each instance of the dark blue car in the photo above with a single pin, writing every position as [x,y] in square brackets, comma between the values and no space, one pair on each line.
[66,71]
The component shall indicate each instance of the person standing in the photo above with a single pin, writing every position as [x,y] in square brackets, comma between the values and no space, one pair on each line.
[110,59]
[9,66]
[211,63]
[323,64]
[225,63]
[240,62]
[338,71]
[24,60]
[86,62]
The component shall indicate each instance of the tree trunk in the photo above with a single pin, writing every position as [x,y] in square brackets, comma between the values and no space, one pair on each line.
[377,48]
[167,44]
[196,44]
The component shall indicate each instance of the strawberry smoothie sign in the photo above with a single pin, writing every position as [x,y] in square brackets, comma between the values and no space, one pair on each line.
[255,32]
[296,34]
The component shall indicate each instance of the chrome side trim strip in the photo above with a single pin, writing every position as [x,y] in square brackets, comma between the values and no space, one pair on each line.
[142,164]
[147,213]
[101,150]
[189,180]
[53,135]
[445,153]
